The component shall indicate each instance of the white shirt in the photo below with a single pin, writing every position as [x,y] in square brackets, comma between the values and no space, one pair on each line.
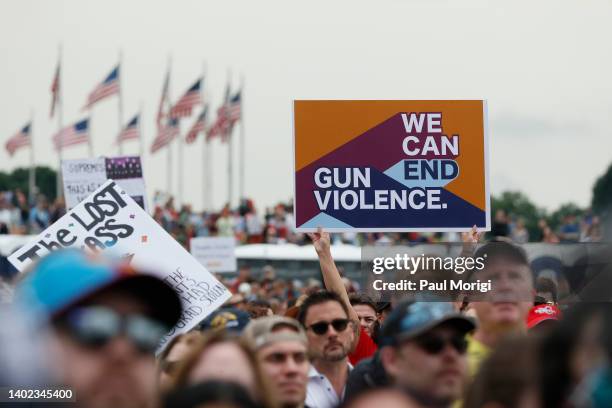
[320,391]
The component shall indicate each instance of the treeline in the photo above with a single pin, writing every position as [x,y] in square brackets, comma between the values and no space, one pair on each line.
[18,179]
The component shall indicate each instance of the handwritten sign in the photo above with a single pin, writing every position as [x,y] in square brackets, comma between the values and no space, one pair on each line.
[82,177]
[109,220]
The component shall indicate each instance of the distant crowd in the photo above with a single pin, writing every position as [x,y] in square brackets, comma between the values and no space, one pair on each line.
[276,224]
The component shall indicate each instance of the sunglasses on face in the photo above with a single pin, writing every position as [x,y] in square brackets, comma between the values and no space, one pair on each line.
[434,344]
[320,328]
[96,326]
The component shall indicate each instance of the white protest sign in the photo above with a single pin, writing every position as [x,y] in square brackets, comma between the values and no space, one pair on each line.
[215,253]
[109,218]
[81,177]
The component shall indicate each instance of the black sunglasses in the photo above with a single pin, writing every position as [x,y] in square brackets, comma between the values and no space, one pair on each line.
[433,344]
[320,328]
[96,326]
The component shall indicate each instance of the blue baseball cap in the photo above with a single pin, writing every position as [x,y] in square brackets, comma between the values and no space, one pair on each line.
[65,278]
[413,318]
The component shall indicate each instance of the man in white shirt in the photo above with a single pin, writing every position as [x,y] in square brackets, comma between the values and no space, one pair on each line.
[330,335]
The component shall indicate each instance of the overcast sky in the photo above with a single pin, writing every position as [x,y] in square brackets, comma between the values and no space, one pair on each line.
[544,67]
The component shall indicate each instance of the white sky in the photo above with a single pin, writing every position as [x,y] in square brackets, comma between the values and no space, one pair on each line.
[544,67]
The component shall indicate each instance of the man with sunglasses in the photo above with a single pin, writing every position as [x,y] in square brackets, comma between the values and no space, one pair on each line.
[107,320]
[282,349]
[330,336]
[424,351]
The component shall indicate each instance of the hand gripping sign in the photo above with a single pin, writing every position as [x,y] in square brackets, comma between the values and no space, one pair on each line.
[391,165]
[110,220]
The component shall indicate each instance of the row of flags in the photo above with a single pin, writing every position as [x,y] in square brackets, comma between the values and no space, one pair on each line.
[167,123]
[167,118]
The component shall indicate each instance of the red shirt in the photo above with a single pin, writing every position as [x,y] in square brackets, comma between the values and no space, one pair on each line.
[365,347]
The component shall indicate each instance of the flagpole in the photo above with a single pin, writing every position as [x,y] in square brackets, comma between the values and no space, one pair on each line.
[230,186]
[209,168]
[204,150]
[120,102]
[60,123]
[32,178]
[90,129]
[169,145]
[180,167]
[140,134]
[90,138]
[241,151]
[209,197]
[169,164]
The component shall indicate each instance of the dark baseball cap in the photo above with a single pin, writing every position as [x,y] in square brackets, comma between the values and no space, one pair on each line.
[413,318]
[65,278]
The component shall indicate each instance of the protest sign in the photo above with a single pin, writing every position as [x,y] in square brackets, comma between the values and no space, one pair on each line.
[81,177]
[217,254]
[391,165]
[110,220]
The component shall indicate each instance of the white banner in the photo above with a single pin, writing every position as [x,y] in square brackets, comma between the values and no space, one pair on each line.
[217,254]
[109,218]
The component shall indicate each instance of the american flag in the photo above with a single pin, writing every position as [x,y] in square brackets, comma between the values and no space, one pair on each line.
[198,126]
[165,135]
[185,105]
[55,90]
[108,87]
[163,100]
[235,108]
[131,130]
[71,135]
[20,139]
[221,125]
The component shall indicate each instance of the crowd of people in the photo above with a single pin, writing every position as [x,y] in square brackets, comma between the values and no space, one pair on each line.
[277,226]
[94,325]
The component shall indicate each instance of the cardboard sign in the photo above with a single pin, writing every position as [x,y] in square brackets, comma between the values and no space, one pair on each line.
[82,177]
[391,165]
[215,253]
[110,220]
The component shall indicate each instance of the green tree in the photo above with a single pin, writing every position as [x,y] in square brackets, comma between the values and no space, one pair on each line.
[518,204]
[602,193]
[46,180]
[19,179]
[556,218]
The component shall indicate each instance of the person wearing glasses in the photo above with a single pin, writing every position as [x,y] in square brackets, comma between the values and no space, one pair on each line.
[331,335]
[424,351]
[107,322]
[363,346]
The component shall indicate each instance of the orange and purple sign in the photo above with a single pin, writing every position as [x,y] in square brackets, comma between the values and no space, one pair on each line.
[391,165]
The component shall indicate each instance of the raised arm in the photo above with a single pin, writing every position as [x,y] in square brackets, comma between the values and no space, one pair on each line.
[470,241]
[331,277]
